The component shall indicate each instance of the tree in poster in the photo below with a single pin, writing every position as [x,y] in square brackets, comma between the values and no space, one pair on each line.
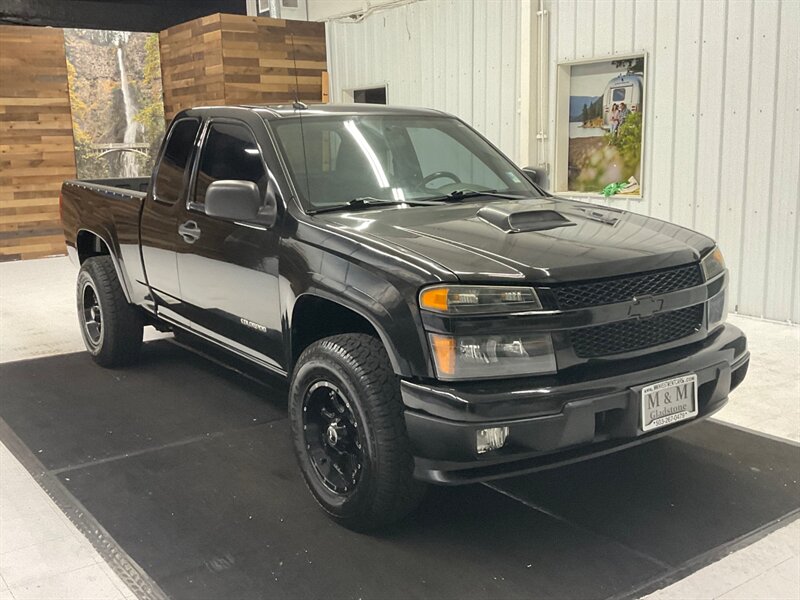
[151,113]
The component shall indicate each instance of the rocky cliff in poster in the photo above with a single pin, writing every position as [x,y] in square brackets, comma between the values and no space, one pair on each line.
[116,101]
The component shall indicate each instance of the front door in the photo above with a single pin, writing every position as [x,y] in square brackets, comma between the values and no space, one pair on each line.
[228,270]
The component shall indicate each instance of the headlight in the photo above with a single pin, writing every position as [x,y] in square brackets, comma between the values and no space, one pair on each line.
[462,299]
[485,356]
[713,264]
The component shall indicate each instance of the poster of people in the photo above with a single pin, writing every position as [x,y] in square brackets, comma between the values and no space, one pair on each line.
[605,127]
[116,101]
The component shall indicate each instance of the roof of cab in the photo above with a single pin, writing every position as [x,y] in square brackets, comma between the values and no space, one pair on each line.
[282,111]
[278,111]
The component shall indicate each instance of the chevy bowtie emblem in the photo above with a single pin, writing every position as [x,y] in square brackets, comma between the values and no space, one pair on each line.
[644,306]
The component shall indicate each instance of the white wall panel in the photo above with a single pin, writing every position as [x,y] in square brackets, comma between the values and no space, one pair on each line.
[735,129]
[320,10]
[782,262]
[623,38]
[758,181]
[685,119]
[709,125]
[722,149]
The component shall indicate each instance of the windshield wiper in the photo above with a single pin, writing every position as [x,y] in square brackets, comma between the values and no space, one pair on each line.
[458,195]
[369,202]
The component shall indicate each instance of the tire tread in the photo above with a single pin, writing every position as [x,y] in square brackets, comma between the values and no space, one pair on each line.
[123,325]
[397,493]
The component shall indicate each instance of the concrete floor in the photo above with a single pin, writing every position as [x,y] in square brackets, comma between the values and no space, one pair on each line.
[43,555]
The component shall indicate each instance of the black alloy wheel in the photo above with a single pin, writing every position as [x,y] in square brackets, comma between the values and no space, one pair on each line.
[349,433]
[92,315]
[332,437]
[111,327]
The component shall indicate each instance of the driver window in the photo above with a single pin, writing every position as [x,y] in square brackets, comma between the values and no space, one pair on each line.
[230,152]
[437,151]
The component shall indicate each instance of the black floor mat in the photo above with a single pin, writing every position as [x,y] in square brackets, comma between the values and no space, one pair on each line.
[189,467]
[69,411]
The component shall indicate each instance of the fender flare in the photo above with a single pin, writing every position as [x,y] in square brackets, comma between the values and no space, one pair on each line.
[399,365]
[111,252]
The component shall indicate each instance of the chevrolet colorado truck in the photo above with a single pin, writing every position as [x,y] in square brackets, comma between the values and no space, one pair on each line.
[440,317]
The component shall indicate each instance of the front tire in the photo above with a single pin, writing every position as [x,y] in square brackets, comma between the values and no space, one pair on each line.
[111,328]
[349,432]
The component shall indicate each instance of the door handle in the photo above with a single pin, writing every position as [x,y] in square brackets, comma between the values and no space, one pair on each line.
[189,231]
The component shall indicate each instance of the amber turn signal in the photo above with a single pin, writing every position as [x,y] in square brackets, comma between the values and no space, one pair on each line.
[713,264]
[444,350]
[434,299]
[463,299]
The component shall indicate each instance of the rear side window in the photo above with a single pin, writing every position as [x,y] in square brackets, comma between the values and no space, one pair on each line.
[171,170]
[230,152]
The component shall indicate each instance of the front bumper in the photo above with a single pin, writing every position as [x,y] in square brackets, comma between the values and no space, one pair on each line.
[561,419]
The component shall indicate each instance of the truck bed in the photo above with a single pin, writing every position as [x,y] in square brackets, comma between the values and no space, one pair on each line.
[138,184]
[108,209]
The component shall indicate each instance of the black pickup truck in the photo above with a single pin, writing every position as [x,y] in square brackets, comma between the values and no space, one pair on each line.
[440,317]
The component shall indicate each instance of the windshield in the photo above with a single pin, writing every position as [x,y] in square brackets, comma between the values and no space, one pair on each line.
[391,157]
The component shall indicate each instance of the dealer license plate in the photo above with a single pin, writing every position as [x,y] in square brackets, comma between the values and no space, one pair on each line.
[670,401]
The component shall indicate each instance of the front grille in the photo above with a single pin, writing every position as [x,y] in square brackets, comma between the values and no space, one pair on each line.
[621,289]
[635,334]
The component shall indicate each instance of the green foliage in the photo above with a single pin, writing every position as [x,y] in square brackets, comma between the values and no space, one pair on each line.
[85,158]
[607,162]
[613,188]
[628,140]
[152,61]
[151,104]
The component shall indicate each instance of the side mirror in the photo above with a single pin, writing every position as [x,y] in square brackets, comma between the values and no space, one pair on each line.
[233,199]
[534,175]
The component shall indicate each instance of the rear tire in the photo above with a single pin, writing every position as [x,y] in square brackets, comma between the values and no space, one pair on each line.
[111,328]
[349,432]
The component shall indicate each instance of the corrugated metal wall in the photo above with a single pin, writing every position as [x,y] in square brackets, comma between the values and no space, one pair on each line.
[459,56]
[722,147]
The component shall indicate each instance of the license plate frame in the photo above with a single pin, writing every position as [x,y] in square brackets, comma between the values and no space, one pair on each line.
[669,401]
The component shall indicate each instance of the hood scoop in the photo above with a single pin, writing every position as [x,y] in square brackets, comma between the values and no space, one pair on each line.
[524,220]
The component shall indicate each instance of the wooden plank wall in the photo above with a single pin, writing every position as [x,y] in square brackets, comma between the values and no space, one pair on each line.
[259,59]
[36,146]
[235,59]
[191,64]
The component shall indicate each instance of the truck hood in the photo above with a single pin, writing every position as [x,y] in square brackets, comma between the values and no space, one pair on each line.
[543,240]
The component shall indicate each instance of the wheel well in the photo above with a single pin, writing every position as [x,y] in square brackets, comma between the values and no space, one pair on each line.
[90,244]
[314,318]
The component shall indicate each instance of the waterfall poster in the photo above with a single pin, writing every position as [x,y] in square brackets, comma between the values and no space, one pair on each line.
[116,101]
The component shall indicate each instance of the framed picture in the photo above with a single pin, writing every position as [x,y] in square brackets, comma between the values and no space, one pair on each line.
[600,126]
